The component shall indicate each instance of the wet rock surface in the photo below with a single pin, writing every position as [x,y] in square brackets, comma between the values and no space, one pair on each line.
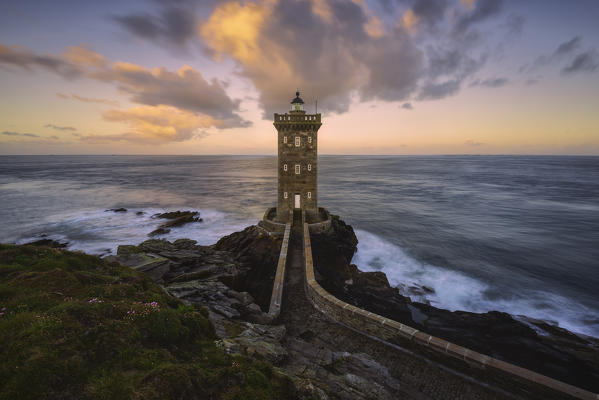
[532,344]
[175,218]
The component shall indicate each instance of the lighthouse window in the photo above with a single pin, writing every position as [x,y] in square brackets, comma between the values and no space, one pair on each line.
[284,195]
[309,167]
[284,139]
[297,169]
[297,141]
[309,195]
[309,139]
[284,167]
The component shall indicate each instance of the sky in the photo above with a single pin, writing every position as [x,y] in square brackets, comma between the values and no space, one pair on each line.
[389,76]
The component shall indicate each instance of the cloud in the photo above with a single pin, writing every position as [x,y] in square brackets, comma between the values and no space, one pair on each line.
[435,91]
[88,99]
[8,133]
[327,49]
[407,106]
[83,56]
[481,10]
[16,56]
[568,46]
[154,125]
[514,25]
[175,24]
[60,128]
[584,62]
[429,12]
[447,69]
[185,88]
[491,82]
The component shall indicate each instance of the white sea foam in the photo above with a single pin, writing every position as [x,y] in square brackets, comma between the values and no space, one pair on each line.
[101,232]
[454,290]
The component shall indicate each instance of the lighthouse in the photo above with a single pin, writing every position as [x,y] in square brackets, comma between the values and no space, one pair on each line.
[297,139]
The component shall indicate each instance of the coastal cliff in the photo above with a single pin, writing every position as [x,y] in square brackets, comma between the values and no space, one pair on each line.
[303,354]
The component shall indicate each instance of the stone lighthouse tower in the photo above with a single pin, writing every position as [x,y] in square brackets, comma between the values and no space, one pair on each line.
[297,161]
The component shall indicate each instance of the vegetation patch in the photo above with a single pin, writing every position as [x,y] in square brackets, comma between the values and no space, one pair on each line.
[73,326]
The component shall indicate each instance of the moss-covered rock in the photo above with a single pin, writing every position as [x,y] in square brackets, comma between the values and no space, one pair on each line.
[76,326]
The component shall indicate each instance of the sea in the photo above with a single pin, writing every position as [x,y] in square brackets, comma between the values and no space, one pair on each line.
[518,234]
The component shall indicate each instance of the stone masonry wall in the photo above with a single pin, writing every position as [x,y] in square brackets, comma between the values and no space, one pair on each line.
[304,128]
[277,289]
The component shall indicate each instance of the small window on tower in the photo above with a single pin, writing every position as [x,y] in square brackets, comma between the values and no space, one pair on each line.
[309,139]
[284,167]
[297,141]
[309,195]
[297,168]
[284,139]
[309,167]
[284,195]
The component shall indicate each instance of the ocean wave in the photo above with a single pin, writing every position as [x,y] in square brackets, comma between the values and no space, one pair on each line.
[454,290]
[101,232]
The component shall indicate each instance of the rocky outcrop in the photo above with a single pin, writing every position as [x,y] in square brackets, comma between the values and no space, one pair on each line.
[532,344]
[234,279]
[176,218]
[117,210]
[231,279]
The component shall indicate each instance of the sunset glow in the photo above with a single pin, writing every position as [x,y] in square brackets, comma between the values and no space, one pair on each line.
[153,77]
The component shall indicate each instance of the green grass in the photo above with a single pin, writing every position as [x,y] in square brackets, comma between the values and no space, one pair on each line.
[73,326]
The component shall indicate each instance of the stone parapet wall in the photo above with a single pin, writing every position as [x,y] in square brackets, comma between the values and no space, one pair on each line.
[321,226]
[269,224]
[277,290]
[500,374]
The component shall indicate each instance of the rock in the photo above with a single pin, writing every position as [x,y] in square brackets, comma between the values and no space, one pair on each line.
[118,210]
[258,254]
[261,342]
[126,249]
[177,218]
[151,264]
[49,243]
[140,213]
[159,231]
[185,244]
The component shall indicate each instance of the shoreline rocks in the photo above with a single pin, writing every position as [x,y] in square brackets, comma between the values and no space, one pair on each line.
[233,279]
[176,218]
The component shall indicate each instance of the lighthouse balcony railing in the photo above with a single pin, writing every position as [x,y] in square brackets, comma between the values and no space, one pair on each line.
[297,118]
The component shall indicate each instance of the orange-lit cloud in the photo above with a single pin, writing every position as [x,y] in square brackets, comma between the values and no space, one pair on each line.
[234,28]
[184,89]
[409,20]
[337,48]
[84,56]
[155,125]
[322,9]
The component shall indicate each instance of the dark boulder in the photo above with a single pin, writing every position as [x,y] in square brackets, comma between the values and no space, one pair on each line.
[176,218]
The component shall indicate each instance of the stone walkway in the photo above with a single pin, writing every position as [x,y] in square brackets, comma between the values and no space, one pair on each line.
[350,364]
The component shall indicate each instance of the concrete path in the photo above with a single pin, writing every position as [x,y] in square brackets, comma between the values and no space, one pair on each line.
[315,339]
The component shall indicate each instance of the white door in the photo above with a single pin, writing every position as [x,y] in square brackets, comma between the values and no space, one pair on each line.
[297,201]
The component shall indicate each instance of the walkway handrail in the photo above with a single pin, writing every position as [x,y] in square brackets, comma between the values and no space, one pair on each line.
[277,291]
[384,328]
